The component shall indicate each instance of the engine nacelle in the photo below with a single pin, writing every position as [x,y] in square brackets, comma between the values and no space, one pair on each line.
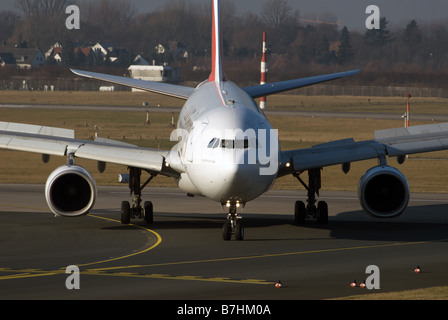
[70,191]
[383,192]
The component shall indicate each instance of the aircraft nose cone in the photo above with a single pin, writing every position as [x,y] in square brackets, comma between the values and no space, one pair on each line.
[243,182]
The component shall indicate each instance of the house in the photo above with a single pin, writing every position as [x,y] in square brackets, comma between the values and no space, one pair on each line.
[140,61]
[160,48]
[7,59]
[85,50]
[102,48]
[55,47]
[24,58]
[56,54]
[177,50]
[108,52]
[180,54]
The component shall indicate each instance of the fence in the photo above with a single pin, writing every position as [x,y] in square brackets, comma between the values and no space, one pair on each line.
[78,84]
[60,84]
[371,91]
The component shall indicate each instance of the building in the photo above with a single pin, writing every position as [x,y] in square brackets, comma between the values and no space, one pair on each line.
[154,73]
[7,59]
[108,52]
[23,58]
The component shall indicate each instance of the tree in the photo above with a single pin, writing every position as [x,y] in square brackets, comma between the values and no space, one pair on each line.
[345,52]
[378,37]
[412,39]
[8,21]
[68,52]
[282,23]
[379,43]
[276,13]
[44,21]
[322,50]
[107,20]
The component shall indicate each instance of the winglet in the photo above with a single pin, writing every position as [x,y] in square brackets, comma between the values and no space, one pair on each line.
[216,74]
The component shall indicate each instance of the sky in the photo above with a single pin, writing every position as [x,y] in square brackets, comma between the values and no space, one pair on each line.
[350,12]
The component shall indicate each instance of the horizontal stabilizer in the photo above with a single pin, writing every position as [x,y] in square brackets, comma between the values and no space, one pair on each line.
[171,90]
[277,87]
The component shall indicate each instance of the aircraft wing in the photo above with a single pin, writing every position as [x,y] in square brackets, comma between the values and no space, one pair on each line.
[61,142]
[172,90]
[389,142]
[277,87]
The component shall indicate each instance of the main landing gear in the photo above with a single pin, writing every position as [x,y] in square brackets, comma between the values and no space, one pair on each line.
[234,224]
[136,210]
[319,212]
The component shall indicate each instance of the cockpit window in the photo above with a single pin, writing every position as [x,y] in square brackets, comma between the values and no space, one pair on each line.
[229,143]
[242,144]
[214,143]
[238,144]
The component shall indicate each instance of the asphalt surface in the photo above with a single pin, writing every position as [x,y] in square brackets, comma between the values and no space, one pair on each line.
[183,257]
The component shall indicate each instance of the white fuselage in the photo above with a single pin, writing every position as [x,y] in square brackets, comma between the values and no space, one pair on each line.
[228,150]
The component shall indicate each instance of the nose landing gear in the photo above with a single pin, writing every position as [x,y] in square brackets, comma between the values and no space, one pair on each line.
[234,223]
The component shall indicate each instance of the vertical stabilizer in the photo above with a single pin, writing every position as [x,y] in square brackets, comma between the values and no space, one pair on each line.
[216,74]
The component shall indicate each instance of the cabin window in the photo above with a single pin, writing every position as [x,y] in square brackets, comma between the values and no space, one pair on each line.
[229,143]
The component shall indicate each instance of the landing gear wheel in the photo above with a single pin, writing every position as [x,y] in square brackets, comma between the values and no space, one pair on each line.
[135,209]
[239,231]
[322,212]
[125,212]
[299,212]
[227,231]
[149,215]
[319,212]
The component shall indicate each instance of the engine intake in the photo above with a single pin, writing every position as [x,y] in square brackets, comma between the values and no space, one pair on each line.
[383,192]
[70,191]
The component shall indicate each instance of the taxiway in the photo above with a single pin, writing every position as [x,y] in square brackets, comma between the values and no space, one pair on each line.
[183,257]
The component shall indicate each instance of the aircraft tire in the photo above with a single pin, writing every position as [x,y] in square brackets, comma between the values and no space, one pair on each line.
[125,212]
[226,231]
[322,212]
[299,212]
[149,212]
[239,231]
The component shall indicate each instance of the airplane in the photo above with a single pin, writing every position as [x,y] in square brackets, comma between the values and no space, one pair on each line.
[227,151]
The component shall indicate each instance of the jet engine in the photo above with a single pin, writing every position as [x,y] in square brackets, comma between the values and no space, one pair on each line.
[383,192]
[70,191]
